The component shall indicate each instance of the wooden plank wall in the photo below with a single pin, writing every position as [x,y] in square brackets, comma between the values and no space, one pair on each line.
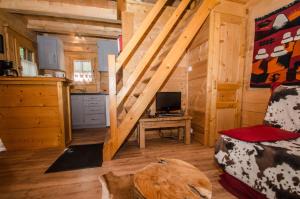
[197,81]
[255,99]
[15,35]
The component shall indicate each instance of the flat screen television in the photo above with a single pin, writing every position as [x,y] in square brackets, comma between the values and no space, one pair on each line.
[168,101]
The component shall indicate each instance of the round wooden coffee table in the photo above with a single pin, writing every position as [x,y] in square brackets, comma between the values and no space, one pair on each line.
[171,178]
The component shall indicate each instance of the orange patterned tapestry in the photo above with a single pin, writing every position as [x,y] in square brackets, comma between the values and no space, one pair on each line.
[276,56]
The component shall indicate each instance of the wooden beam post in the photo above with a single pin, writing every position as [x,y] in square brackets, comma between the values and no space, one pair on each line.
[121,6]
[110,141]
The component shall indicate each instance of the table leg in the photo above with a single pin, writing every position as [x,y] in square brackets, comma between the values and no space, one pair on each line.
[188,132]
[142,136]
[138,134]
[179,133]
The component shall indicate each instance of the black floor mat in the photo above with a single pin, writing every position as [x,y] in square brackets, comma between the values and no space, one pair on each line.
[78,157]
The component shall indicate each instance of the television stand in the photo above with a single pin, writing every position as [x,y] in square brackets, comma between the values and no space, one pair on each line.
[183,121]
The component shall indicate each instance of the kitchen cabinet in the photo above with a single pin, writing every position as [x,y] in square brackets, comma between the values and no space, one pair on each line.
[88,111]
[77,110]
[50,53]
[106,47]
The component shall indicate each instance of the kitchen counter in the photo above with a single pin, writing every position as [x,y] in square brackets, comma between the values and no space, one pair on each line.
[51,79]
[34,112]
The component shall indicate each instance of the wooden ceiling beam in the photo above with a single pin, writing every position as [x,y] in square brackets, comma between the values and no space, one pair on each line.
[60,9]
[68,20]
[121,6]
[59,27]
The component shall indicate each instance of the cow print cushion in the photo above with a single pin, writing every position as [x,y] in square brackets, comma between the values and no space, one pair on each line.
[271,168]
[284,108]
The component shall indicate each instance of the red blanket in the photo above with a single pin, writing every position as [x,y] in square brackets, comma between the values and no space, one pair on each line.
[238,188]
[260,133]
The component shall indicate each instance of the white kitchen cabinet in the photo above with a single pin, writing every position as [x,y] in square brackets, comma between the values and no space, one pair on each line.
[88,111]
[77,110]
[50,53]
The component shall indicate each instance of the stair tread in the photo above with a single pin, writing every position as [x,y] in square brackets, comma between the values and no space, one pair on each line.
[136,95]
[164,54]
[126,108]
[146,80]
[154,68]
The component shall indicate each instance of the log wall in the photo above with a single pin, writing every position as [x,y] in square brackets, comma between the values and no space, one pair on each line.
[255,99]
[197,81]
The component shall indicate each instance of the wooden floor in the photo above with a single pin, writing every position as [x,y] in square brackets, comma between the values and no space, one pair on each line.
[22,173]
[88,136]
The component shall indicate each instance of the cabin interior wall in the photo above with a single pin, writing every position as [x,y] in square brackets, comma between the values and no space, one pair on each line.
[197,81]
[15,35]
[255,100]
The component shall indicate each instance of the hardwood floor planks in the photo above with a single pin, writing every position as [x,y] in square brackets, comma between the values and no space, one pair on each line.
[22,173]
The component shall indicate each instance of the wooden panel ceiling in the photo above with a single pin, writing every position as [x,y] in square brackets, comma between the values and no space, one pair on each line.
[95,18]
[60,9]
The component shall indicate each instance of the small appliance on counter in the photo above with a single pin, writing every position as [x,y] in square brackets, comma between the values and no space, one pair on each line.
[60,74]
[6,68]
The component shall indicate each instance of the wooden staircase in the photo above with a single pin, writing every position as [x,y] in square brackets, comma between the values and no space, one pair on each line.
[129,103]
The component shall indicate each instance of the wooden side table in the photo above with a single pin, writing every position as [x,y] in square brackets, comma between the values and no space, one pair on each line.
[164,122]
[167,178]
[171,178]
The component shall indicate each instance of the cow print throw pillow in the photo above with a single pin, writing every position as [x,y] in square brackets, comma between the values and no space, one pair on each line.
[284,109]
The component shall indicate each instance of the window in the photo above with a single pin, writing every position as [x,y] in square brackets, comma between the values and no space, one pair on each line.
[83,71]
[26,54]
[29,67]
[30,55]
[22,53]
